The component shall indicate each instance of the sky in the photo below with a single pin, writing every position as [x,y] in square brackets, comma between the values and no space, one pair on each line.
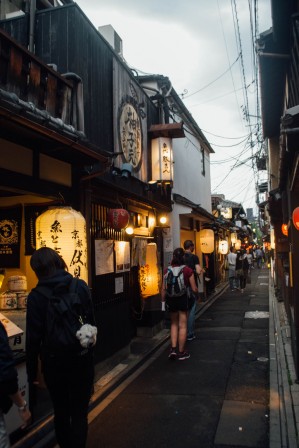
[206,49]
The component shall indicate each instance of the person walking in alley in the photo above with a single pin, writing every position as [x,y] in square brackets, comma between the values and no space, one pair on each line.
[231,259]
[259,257]
[192,261]
[242,267]
[9,390]
[69,375]
[178,304]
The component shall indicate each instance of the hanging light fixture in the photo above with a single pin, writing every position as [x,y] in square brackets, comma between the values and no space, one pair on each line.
[206,239]
[64,230]
[284,229]
[223,247]
[163,219]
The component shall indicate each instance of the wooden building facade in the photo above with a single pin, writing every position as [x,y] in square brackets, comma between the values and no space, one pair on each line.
[105,117]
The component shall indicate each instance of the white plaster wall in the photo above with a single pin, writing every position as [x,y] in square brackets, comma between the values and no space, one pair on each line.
[188,178]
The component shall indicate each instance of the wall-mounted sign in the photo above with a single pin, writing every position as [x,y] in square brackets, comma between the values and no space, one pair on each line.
[130,133]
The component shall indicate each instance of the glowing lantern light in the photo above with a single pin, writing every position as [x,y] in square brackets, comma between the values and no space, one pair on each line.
[233,237]
[64,230]
[238,244]
[118,218]
[284,229]
[272,239]
[223,247]
[206,238]
[162,163]
[149,273]
[295,217]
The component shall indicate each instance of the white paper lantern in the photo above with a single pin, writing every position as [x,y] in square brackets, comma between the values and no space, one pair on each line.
[64,230]
[162,159]
[238,244]
[149,273]
[233,237]
[206,238]
[223,247]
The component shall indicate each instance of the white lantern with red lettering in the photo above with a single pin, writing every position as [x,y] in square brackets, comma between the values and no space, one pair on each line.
[118,218]
[206,239]
[64,230]
[295,217]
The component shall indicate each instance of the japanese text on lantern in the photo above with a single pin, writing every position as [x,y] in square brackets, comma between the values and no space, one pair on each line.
[166,158]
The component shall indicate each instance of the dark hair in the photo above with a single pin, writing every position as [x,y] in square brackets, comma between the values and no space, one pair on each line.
[46,261]
[178,257]
[188,244]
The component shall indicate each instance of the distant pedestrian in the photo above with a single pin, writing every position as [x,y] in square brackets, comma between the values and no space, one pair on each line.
[242,267]
[259,257]
[192,261]
[9,389]
[231,260]
[250,259]
[178,307]
[69,377]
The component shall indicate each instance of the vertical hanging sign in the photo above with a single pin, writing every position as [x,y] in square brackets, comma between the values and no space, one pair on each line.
[10,234]
[162,159]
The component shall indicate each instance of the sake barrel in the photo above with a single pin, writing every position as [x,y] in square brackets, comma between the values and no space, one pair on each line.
[17,283]
[8,301]
[22,300]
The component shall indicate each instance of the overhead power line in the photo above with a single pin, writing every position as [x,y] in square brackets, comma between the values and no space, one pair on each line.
[210,83]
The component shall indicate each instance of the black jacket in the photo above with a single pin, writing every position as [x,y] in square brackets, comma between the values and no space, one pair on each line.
[36,316]
[8,372]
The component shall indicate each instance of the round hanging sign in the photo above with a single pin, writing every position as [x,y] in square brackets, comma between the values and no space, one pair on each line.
[118,218]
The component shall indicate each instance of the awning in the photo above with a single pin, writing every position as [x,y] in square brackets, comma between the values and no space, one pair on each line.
[196,211]
[169,130]
[21,126]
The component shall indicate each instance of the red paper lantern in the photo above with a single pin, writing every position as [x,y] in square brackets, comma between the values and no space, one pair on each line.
[295,217]
[284,229]
[118,218]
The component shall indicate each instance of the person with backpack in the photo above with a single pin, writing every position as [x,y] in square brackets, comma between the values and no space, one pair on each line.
[9,389]
[192,261]
[56,309]
[177,285]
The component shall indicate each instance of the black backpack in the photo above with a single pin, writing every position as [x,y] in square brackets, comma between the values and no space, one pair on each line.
[175,284]
[65,316]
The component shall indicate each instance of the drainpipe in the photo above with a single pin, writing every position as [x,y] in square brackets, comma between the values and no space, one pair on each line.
[32,11]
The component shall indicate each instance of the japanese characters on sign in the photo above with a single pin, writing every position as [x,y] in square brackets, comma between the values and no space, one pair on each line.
[64,230]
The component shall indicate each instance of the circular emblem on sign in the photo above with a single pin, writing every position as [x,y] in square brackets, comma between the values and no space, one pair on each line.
[8,231]
[130,134]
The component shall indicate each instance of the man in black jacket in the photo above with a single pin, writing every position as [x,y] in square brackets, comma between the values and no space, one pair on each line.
[9,390]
